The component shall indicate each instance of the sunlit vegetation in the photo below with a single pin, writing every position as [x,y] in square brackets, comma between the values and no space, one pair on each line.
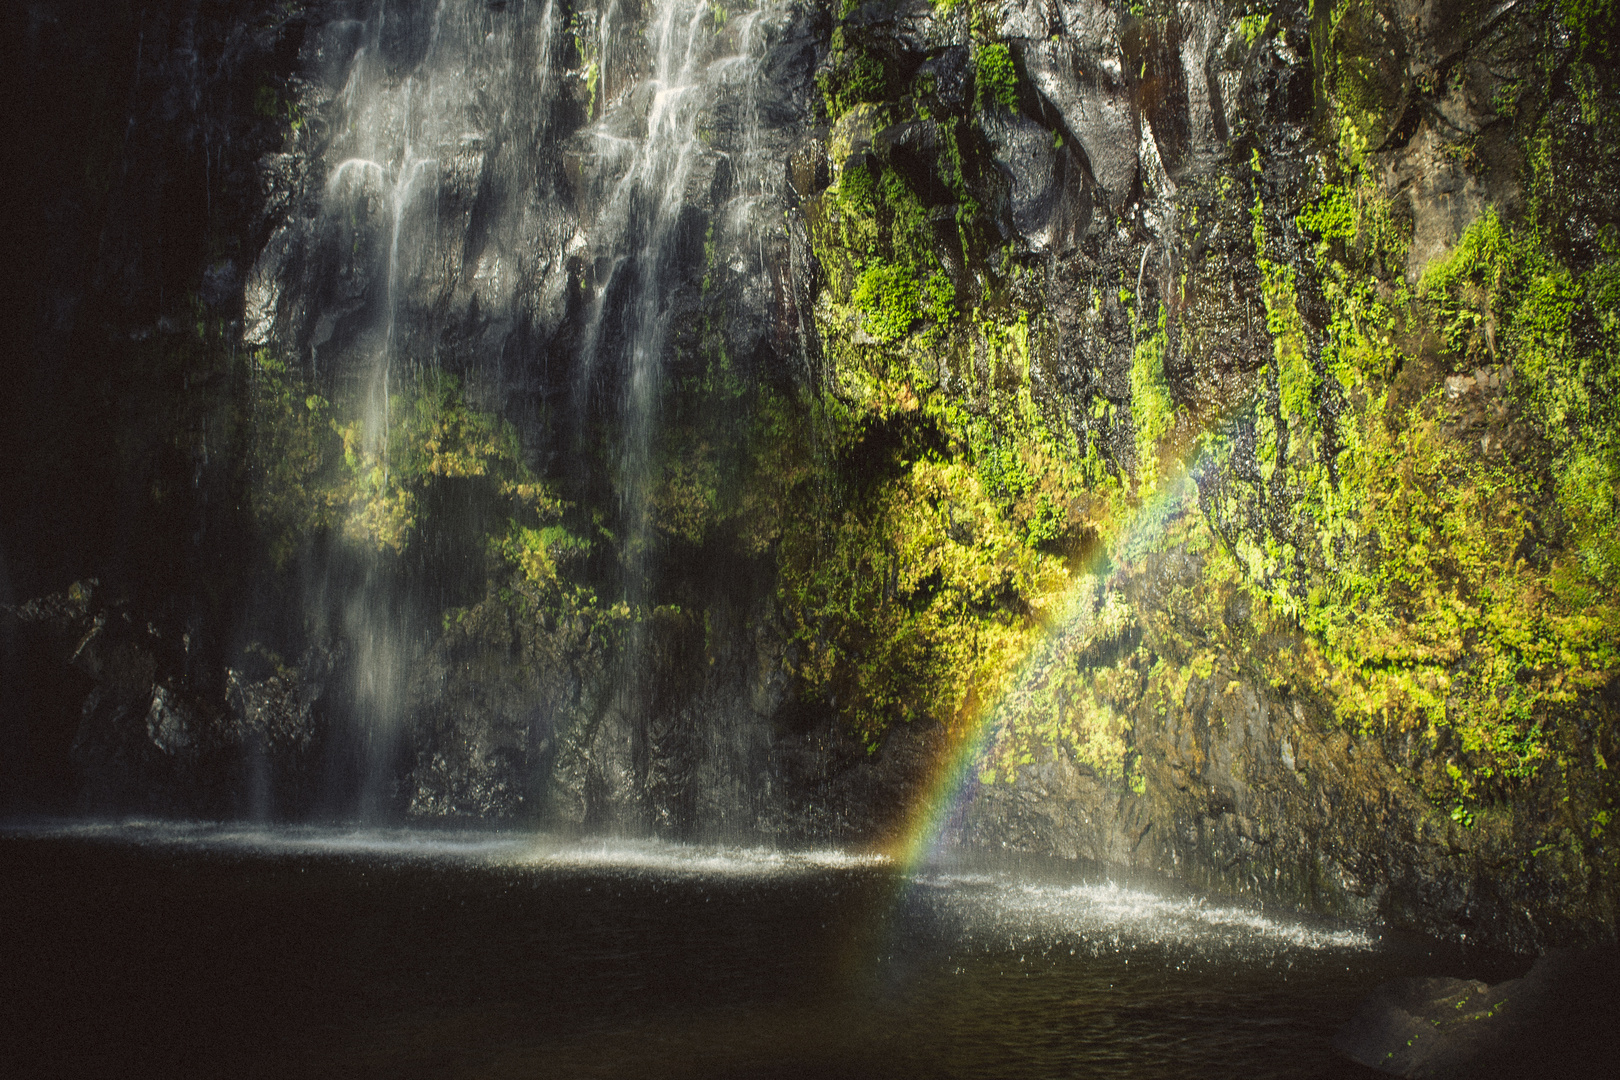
[1457,474]
[318,469]
[918,580]
[933,541]
[996,78]
[1430,506]
[1420,489]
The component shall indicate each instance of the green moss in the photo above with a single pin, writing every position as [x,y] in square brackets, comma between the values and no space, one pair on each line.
[913,594]
[316,468]
[1002,469]
[1332,216]
[952,172]
[995,76]
[1590,21]
[855,201]
[1059,703]
[889,298]
[1501,296]
[1449,557]
[1254,26]
[584,35]
[940,294]
[854,77]
[877,244]
[921,566]
[930,536]
[1153,412]
[1296,379]
[1363,74]
[536,552]
[1409,569]
[911,237]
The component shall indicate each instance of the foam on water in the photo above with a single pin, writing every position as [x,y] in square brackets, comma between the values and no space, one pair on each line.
[492,849]
[974,905]
[660,857]
[281,840]
[1110,913]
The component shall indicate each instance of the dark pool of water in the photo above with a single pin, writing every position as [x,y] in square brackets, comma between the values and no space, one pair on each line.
[161,950]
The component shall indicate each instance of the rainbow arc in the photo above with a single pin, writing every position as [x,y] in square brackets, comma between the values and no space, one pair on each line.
[954,779]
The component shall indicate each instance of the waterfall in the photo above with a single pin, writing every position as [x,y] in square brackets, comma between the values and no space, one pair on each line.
[751,421]
[652,180]
[651,163]
[526,197]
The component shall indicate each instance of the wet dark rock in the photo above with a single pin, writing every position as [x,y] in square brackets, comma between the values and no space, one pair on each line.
[221,284]
[903,29]
[1050,205]
[1058,808]
[1088,89]
[1560,1019]
[137,734]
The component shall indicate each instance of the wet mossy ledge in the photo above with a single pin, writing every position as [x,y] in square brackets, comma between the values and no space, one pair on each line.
[1210,412]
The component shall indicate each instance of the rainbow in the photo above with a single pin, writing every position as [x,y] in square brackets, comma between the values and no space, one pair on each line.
[954,778]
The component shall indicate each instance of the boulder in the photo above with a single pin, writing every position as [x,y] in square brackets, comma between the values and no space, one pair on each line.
[1561,1019]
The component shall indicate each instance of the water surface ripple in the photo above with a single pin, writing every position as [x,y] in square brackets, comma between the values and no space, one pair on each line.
[207,949]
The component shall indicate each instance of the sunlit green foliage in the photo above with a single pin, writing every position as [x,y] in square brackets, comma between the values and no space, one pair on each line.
[315,473]
[432,432]
[1152,411]
[1074,691]
[917,592]
[1428,610]
[888,296]
[1456,559]
[1254,26]
[1332,216]
[879,250]
[1502,296]
[930,542]
[996,78]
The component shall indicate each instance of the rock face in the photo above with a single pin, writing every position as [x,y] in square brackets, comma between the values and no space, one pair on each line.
[1557,1020]
[700,418]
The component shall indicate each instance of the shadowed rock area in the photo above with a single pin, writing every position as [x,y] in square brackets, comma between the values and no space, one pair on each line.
[1561,1019]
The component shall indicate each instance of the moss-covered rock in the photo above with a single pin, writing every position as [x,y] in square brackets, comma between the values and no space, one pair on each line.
[1205,411]
[1361,412]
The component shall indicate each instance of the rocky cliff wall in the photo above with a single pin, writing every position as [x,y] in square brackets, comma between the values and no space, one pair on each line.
[1205,412]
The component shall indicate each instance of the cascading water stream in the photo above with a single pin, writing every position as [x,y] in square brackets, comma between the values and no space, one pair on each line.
[461,185]
[387,172]
[638,229]
[655,167]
